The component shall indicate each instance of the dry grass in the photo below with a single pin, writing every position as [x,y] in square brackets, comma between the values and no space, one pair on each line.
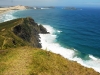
[18,65]
[32,61]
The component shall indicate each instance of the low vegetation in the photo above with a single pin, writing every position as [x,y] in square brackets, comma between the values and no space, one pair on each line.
[33,61]
[20,32]
[19,57]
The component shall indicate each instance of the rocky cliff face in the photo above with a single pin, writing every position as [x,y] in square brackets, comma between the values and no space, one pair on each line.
[20,32]
[29,31]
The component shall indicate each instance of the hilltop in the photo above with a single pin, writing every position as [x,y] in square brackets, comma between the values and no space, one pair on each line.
[20,52]
[20,32]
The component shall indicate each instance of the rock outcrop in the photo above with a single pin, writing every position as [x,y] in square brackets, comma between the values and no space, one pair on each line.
[29,31]
[19,32]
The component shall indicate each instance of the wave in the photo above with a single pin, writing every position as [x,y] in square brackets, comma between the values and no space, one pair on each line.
[49,42]
[45,8]
[7,16]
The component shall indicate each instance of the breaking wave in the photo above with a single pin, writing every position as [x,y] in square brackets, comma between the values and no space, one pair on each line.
[7,16]
[49,42]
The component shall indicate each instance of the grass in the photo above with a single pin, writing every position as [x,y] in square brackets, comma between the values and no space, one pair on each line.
[33,61]
[19,32]
[7,37]
[5,57]
[18,58]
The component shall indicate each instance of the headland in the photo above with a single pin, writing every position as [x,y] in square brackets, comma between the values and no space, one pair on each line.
[18,7]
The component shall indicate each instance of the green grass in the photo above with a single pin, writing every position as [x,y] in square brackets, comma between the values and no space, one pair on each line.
[20,32]
[33,61]
[5,57]
[18,58]
[7,36]
[47,63]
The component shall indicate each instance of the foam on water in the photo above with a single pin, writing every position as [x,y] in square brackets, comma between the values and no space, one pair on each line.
[49,43]
[92,57]
[59,31]
[45,8]
[7,16]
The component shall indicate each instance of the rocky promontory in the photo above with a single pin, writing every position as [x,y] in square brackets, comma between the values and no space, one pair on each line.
[20,52]
[20,32]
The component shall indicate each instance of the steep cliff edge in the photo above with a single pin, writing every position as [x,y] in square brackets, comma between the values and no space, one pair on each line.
[20,52]
[20,32]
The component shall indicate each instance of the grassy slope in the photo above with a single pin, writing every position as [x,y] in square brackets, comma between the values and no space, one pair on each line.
[18,60]
[20,32]
[33,61]
[7,36]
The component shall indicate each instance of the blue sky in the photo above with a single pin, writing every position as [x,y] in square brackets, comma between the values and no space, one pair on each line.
[88,3]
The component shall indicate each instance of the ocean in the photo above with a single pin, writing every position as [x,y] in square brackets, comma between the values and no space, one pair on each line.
[74,34]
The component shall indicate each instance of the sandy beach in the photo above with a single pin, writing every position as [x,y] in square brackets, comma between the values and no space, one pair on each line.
[6,9]
[3,11]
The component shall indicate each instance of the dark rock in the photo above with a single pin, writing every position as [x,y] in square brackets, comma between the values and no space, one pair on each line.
[70,8]
[29,31]
[43,30]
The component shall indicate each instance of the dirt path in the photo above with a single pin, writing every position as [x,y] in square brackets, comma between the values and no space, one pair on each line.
[19,65]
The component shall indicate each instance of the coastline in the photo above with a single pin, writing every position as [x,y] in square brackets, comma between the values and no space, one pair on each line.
[4,11]
[56,63]
[7,9]
[47,42]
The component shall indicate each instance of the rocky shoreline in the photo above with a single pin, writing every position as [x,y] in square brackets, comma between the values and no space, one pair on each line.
[21,32]
[20,38]
[29,31]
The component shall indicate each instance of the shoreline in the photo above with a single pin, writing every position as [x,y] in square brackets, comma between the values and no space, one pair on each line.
[4,11]
[64,52]
[7,9]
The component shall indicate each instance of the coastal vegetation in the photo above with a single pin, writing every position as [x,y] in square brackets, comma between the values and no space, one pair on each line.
[20,52]
[20,32]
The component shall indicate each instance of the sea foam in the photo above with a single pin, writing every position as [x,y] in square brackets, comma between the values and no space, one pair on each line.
[49,42]
[7,16]
[45,8]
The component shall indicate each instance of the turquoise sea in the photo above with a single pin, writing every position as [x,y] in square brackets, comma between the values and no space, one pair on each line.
[74,34]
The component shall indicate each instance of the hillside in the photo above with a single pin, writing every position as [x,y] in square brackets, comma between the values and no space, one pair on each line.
[33,61]
[20,32]
[20,52]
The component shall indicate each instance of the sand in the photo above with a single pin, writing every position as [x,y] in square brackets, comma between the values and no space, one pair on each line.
[6,9]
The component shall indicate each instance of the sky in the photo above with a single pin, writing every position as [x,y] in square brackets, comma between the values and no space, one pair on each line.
[80,3]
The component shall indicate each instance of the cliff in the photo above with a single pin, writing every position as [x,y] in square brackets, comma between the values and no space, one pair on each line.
[20,32]
[20,52]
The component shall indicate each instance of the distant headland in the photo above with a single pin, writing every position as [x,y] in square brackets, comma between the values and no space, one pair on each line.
[21,7]
[21,53]
[18,7]
[70,8]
